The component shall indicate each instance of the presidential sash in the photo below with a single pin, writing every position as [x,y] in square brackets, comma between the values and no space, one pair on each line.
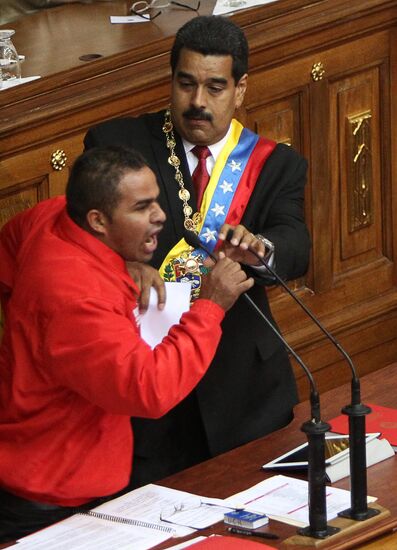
[232,181]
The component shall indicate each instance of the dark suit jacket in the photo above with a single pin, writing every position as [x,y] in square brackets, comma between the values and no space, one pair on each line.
[249,389]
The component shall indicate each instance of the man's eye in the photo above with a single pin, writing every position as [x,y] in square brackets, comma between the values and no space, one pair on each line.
[215,89]
[142,206]
[185,84]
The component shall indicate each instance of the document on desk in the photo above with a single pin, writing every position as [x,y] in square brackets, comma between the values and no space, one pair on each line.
[146,504]
[155,324]
[222,7]
[285,499]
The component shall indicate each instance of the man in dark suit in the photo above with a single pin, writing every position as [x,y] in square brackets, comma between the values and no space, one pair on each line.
[255,191]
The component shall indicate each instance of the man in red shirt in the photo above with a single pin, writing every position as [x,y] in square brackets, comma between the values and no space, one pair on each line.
[73,367]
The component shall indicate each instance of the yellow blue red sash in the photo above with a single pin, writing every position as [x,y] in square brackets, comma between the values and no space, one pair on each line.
[232,181]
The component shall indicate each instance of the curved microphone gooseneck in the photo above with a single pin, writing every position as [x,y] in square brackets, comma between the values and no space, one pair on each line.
[314,428]
[356,412]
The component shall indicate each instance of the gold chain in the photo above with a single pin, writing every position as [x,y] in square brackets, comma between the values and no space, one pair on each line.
[190,223]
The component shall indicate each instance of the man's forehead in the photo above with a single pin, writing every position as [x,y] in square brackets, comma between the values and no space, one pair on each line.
[190,61]
[138,182]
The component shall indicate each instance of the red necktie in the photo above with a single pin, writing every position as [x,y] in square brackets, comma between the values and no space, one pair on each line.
[200,175]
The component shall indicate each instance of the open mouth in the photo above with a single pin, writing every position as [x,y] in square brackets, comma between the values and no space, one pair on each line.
[151,242]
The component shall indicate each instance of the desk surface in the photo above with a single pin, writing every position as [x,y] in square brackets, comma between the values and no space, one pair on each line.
[239,469]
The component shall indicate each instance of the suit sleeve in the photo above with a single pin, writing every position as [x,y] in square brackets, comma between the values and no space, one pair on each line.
[277,211]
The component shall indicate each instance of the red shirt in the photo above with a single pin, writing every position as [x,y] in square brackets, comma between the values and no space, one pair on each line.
[73,367]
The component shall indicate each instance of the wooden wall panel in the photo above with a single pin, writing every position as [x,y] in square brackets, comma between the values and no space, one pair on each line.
[356,178]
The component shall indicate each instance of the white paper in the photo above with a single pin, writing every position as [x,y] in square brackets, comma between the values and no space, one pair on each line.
[82,532]
[286,499]
[128,19]
[155,324]
[147,503]
[201,516]
[6,84]
[87,533]
[220,7]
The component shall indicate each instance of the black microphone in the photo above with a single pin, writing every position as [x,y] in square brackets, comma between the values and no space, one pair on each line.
[315,429]
[356,412]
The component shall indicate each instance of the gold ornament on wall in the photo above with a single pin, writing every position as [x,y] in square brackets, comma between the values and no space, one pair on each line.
[360,183]
[317,71]
[58,159]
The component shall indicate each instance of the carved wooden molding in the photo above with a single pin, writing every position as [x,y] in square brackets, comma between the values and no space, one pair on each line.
[360,184]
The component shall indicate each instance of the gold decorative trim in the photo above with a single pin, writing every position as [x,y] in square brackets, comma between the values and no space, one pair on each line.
[360,182]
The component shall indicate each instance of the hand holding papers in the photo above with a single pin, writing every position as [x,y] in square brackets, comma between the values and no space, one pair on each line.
[155,324]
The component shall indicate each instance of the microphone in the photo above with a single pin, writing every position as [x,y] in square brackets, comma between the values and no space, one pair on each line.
[315,429]
[356,412]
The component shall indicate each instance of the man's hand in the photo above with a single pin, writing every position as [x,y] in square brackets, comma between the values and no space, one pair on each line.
[224,284]
[237,247]
[146,277]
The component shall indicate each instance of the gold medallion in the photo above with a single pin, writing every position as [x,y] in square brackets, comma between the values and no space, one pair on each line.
[184,194]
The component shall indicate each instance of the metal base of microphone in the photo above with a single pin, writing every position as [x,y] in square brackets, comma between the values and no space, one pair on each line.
[308,532]
[349,531]
[318,528]
[359,516]
[358,510]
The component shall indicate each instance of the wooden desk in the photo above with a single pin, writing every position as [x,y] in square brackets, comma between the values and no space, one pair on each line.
[239,469]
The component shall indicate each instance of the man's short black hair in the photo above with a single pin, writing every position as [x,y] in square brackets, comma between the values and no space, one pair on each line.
[94,180]
[213,35]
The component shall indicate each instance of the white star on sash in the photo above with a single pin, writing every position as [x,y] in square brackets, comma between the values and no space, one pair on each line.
[235,165]
[209,235]
[226,187]
[218,209]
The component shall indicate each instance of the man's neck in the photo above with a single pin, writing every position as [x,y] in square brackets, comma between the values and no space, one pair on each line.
[215,150]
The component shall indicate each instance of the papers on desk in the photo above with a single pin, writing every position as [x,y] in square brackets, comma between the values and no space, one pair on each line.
[128,19]
[146,504]
[7,84]
[285,499]
[222,7]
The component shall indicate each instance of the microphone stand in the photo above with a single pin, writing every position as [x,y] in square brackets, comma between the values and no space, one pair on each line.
[356,412]
[314,429]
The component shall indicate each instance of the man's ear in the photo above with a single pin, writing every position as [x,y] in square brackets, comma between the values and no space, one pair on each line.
[241,89]
[97,221]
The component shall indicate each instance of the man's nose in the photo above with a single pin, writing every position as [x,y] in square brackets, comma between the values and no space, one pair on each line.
[199,98]
[158,214]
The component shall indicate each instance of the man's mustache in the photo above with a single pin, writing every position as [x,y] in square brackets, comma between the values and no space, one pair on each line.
[197,114]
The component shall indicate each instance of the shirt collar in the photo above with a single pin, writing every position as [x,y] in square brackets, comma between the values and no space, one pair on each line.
[215,148]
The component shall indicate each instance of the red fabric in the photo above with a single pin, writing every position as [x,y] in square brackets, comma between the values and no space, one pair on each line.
[381,419]
[73,368]
[249,179]
[219,542]
[200,175]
